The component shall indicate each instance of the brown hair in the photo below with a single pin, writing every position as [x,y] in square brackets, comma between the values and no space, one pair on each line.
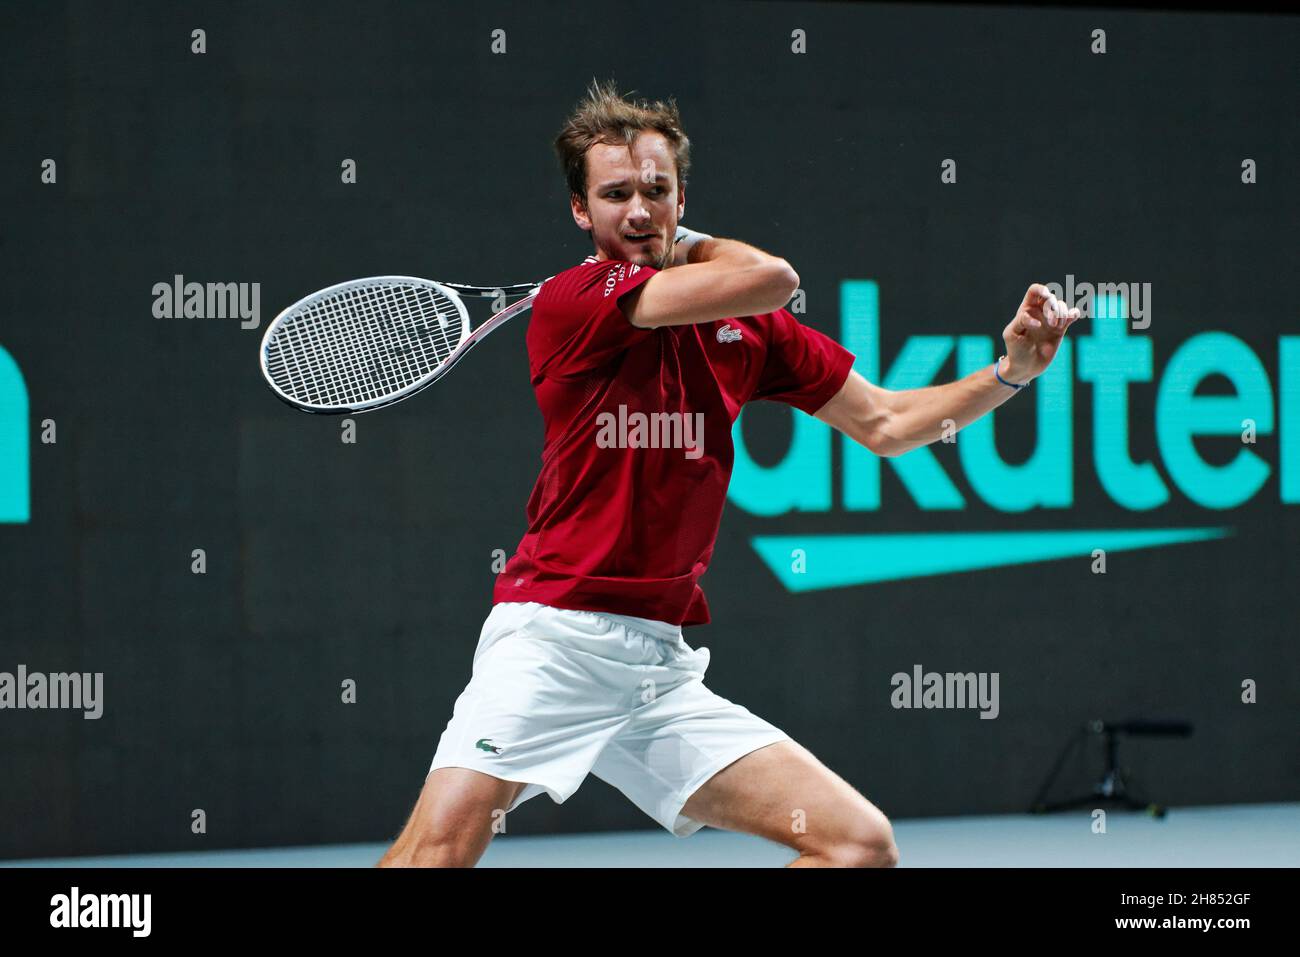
[605,116]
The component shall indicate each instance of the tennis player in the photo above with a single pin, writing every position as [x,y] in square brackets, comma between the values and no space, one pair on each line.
[581,666]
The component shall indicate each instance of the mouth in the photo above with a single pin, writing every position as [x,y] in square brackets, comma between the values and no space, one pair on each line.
[640,238]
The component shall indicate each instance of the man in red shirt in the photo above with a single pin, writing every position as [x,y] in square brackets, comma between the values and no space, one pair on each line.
[641,358]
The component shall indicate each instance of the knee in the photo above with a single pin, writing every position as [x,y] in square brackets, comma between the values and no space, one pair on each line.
[428,853]
[869,845]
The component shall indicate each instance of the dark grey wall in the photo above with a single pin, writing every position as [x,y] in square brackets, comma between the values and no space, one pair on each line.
[373,561]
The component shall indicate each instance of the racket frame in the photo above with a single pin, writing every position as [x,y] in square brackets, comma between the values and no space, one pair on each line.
[452,291]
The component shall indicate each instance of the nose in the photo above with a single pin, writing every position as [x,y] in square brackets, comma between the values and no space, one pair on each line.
[638,214]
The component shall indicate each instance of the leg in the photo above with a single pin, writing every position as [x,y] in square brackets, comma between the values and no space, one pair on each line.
[691,757]
[534,710]
[783,793]
[451,825]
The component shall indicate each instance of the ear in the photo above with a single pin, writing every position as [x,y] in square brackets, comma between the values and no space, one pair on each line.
[580,214]
[681,202]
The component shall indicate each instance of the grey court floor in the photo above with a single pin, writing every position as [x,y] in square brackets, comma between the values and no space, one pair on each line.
[1250,835]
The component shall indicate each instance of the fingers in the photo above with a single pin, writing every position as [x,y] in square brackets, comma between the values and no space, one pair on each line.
[1054,310]
[1041,310]
[1059,315]
[1037,294]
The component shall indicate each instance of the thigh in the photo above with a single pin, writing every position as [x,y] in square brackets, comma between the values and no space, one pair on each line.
[674,744]
[783,793]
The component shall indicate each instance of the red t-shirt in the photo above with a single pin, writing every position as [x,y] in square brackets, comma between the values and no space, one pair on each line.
[625,512]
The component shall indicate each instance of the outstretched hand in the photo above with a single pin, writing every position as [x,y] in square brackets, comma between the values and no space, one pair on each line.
[1035,333]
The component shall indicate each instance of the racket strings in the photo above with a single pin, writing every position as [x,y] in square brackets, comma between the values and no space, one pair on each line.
[364,343]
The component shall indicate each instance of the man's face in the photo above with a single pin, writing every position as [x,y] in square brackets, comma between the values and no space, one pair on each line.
[633,203]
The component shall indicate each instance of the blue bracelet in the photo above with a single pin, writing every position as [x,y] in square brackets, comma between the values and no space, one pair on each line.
[1004,381]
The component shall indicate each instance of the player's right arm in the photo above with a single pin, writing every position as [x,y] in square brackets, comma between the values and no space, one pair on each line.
[721,278]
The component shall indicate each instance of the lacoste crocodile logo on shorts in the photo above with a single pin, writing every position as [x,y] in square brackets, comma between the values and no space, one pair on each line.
[485,744]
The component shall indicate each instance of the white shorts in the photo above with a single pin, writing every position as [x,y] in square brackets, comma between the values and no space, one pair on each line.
[557,694]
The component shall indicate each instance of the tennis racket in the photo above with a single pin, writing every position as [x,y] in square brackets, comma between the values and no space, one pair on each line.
[367,343]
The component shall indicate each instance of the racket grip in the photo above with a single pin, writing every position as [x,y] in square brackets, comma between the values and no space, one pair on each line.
[683,241]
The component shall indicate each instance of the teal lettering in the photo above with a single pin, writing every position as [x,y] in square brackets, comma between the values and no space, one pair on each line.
[1110,359]
[1181,415]
[916,366]
[1288,362]
[800,482]
[15,473]
[1047,478]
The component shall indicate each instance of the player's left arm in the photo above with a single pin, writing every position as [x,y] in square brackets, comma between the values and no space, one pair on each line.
[891,422]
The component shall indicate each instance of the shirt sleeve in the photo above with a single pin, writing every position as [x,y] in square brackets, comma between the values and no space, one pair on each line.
[804,368]
[578,321]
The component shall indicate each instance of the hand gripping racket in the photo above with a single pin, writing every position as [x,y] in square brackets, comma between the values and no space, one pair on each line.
[367,343]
